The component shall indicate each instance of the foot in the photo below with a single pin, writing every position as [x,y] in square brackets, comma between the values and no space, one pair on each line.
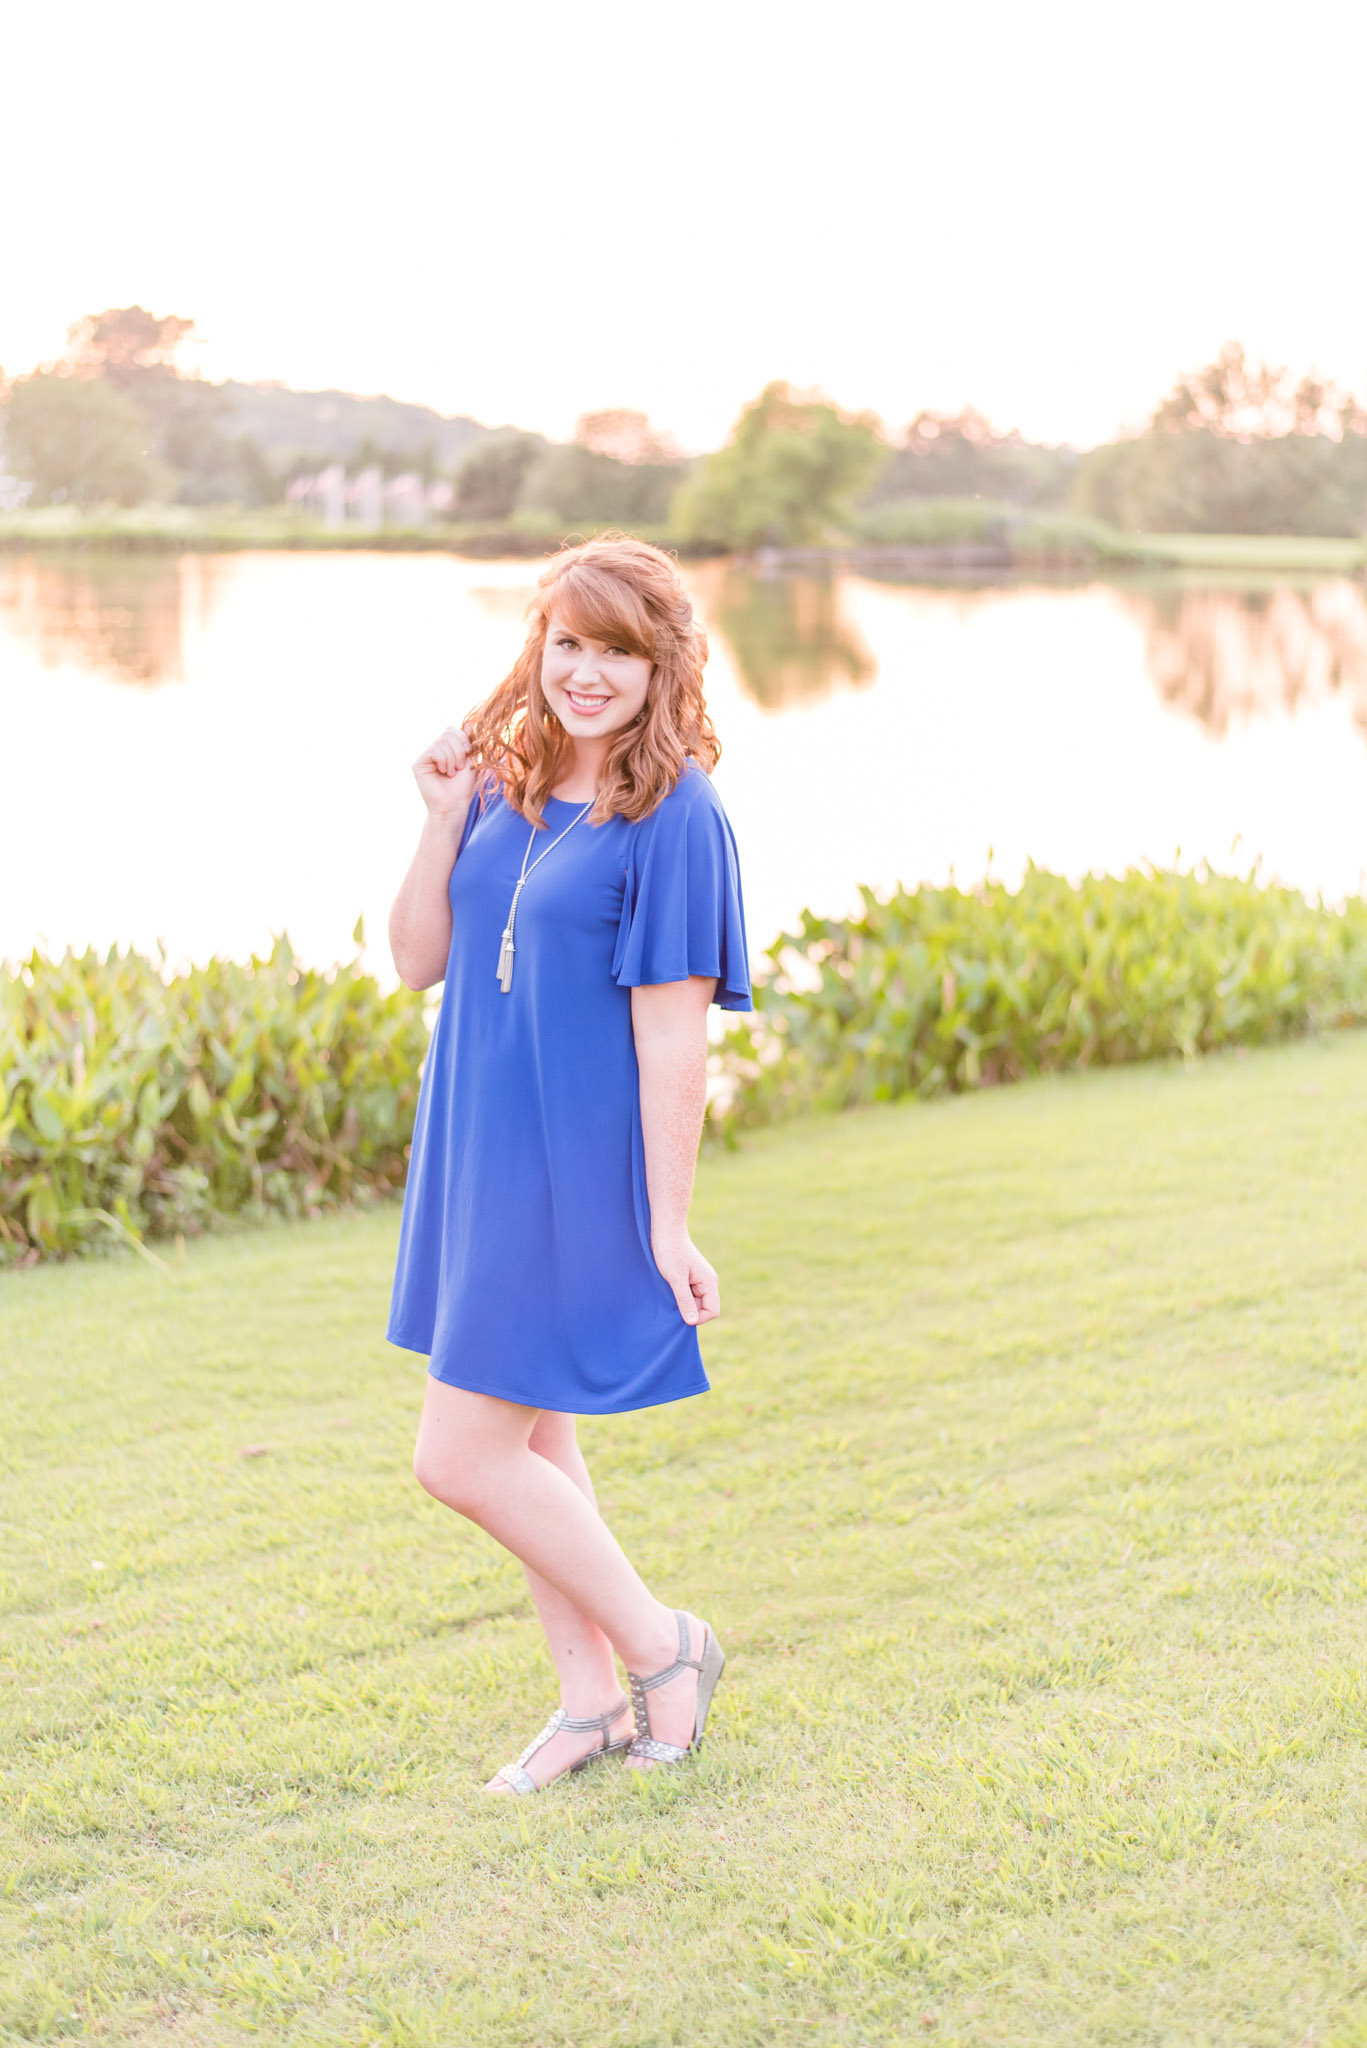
[566,1747]
[673,1707]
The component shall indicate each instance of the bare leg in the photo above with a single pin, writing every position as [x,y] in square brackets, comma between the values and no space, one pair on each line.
[475,1453]
[580,1651]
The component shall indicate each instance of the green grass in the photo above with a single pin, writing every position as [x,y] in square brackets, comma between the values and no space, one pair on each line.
[1252,551]
[159,528]
[177,528]
[1036,537]
[1029,1504]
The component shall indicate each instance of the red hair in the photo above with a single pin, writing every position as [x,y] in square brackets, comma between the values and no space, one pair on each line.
[626,594]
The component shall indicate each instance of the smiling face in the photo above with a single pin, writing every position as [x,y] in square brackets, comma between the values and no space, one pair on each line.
[593,687]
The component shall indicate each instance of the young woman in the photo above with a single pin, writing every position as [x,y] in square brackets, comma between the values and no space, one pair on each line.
[576,889]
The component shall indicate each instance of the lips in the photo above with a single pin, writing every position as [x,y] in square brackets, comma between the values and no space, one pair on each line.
[586,706]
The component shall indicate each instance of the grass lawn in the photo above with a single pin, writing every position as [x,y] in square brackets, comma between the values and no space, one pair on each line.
[1029,1505]
[1257,551]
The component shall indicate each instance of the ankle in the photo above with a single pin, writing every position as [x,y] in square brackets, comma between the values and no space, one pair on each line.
[657,1646]
[586,1704]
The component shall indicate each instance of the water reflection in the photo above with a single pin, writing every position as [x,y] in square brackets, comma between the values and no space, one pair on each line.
[128,616]
[789,636]
[1218,653]
[1233,654]
[1065,725]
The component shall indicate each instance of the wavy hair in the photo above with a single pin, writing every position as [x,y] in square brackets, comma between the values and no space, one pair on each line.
[627,594]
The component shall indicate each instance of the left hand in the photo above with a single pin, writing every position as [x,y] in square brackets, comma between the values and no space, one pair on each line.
[694,1282]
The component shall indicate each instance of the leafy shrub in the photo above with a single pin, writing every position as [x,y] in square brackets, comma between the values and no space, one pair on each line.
[1032,538]
[936,990]
[931,522]
[132,1106]
[1068,540]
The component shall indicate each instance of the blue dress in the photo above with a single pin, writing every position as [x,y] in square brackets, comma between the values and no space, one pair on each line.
[524,1266]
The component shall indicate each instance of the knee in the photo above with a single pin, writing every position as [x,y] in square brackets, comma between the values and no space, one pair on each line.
[449,1476]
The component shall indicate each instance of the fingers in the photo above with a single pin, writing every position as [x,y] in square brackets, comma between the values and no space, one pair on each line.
[695,1289]
[683,1294]
[446,755]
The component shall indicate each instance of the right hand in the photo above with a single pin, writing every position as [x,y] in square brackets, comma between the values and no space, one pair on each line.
[446,776]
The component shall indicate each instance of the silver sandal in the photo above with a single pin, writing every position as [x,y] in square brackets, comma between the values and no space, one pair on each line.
[709,1670]
[519,1779]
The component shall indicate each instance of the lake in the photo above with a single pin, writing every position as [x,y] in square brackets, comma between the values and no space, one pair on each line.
[206,749]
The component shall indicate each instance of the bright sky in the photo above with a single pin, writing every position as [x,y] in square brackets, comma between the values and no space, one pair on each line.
[527,210]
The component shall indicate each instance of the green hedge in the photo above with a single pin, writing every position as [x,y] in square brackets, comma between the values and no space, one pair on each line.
[133,1106]
[935,990]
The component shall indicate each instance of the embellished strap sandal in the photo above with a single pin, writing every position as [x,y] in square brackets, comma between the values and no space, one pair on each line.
[519,1779]
[709,1669]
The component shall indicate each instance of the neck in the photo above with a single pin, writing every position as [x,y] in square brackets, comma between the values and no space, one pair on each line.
[578,782]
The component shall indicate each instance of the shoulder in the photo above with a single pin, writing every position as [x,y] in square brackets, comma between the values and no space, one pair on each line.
[693,796]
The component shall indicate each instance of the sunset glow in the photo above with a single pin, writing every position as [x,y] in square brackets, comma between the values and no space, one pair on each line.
[506,213]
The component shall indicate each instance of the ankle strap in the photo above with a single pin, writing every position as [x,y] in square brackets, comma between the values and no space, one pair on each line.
[587,1724]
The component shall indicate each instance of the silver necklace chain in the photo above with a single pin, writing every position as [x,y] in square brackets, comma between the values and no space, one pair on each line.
[507,949]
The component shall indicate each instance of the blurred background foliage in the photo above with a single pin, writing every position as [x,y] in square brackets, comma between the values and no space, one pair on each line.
[136,1104]
[1235,448]
[935,990]
[792,470]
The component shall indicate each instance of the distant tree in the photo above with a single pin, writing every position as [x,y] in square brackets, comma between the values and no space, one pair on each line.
[490,479]
[128,345]
[1236,448]
[788,474]
[135,351]
[81,440]
[960,455]
[1236,400]
[576,486]
[624,435]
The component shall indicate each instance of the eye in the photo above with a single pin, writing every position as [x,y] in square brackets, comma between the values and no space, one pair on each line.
[566,641]
[620,650]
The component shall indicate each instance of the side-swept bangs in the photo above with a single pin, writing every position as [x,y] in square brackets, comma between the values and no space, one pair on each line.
[591,601]
[623,593]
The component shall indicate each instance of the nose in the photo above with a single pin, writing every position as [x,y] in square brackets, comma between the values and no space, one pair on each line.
[586,668]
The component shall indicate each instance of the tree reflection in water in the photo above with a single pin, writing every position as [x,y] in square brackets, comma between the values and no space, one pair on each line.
[125,616]
[787,634]
[1226,654]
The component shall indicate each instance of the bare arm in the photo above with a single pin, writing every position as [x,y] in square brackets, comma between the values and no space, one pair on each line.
[420,921]
[669,1024]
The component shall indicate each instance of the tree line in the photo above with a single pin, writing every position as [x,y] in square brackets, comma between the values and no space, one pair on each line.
[1236,447]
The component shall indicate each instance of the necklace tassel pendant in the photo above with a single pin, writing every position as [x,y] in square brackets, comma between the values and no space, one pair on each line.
[505,956]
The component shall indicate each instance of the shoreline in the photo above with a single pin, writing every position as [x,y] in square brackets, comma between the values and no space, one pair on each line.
[57,531]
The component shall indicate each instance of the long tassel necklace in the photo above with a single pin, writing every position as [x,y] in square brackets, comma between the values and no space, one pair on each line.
[505,957]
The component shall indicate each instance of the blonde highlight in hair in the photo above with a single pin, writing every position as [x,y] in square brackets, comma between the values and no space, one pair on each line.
[626,594]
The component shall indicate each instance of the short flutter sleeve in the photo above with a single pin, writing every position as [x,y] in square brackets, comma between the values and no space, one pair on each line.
[682,912]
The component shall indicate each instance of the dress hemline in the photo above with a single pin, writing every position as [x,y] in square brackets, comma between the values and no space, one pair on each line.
[468,1384]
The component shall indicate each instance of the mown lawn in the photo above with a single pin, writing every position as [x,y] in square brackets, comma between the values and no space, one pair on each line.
[1255,551]
[1029,1504]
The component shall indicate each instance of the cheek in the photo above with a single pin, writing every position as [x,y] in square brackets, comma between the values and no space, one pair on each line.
[640,693]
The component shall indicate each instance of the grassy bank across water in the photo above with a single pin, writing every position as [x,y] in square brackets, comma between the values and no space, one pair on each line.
[928,532]
[1029,1503]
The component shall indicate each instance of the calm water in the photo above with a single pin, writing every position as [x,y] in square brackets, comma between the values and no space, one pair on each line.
[206,749]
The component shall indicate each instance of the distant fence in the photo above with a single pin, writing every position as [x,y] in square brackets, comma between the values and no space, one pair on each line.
[369,498]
